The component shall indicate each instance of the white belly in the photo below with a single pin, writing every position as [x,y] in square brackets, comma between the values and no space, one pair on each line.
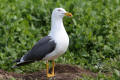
[62,43]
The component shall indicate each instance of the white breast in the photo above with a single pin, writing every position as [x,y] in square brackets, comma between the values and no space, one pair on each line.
[62,41]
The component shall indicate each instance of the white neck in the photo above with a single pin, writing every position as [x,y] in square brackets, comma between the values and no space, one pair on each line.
[56,25]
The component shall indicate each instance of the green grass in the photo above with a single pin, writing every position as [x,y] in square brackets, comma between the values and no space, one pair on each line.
[101,76]
[94,32]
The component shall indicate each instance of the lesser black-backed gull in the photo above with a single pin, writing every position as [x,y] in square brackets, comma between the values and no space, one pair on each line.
[51,46]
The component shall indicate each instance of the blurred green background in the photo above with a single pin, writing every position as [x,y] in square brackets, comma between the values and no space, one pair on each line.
[94,32]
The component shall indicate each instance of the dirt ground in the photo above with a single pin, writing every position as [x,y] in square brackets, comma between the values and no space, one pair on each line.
[62,72]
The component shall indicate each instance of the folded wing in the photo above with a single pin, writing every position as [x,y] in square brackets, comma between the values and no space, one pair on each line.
[43,47]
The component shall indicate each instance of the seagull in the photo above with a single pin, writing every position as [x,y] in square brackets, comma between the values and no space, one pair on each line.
[49,47]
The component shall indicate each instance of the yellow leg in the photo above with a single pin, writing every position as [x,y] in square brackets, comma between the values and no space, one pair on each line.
[47,66]
[53,66]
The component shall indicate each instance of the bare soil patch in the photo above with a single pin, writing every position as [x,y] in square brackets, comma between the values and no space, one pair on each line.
[62,72]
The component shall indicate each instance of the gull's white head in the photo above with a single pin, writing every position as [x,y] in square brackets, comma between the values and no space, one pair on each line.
[60,13]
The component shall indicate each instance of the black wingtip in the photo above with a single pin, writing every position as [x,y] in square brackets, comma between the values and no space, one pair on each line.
[17,60]
[21,64]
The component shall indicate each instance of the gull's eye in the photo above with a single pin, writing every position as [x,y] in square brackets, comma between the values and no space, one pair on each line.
[59,9]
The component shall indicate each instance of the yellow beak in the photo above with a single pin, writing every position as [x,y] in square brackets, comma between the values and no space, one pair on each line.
[68,14]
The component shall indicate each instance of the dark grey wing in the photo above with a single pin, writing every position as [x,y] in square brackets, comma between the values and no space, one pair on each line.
[43,47]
